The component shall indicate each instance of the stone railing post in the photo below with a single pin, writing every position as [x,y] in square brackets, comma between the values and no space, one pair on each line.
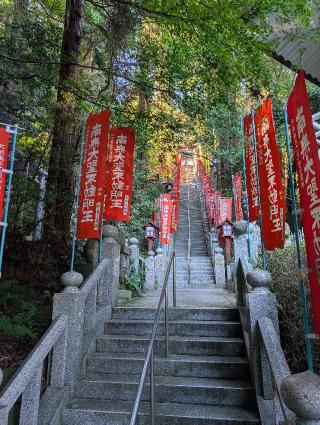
[125,262]
[219,268]
[150,270]
[71,303]
[240,241]
[91,252]
[287,241]
[214,242]
[134,253]
[255,237]
[301,394]
[159,267]
[261,303]
[111,250]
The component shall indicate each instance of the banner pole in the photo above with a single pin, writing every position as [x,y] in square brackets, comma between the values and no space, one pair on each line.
[234,198]
[102,224]
[298,249]
[263,254]
[246,188]
[7,202]
[74,239]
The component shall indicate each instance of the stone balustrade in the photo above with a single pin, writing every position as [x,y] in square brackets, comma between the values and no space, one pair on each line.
[282,398]
[79,314]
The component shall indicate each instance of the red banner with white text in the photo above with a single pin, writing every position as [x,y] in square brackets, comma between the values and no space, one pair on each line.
[237,190]
[4,149]
[208,193]
[272,194]
[306,156]
[176,197]
[252,183]
[165,219]
[93,173]
[225,209]
[120,158]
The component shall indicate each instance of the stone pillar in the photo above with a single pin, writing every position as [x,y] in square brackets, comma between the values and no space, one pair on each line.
[301,394]
[111,250]
[91,252]
[229,276]
[134,253]
[240,241]
[287,241]
[219,268]
[255,237]
[214,242]
[125,262]
[71,303]
[261,303]
[159,266]
[150,271]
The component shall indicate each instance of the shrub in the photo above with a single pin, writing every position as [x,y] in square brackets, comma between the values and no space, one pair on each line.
[282,264]
[135,282]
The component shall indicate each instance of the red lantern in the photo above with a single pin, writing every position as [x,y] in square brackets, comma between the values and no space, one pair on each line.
[151,231]
[225,234]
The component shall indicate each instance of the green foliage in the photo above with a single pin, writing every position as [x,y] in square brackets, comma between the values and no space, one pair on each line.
[145,191]
[19,318]
[285,284]
[135,282]
[20,327]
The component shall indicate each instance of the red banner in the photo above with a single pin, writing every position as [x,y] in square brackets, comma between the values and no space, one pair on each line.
[237,190]
[225,209]
[271,186]
[4,148]
[252,183]
[165,221]
[306,156]
[208,194]
[120,159]
[176,196]
[93,172]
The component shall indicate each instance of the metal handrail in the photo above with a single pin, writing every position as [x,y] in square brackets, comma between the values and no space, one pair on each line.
[189,235]
[149,359]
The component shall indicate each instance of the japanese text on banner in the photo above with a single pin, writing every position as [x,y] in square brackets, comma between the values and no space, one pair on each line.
[120,157]
[165,220]
[270,179]
[4,148]
[237,190]
[225,209]
[176,196]
[252,183]
[93,176]
[307,162]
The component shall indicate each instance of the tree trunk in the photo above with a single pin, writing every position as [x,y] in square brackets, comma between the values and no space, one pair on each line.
[66,125]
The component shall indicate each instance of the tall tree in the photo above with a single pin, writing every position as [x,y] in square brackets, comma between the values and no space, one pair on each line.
[60,175]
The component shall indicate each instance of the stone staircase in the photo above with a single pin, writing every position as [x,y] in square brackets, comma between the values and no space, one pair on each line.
[201,269]
[204,381]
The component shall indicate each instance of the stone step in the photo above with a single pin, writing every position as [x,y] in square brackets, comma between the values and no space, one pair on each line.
[194,266]
[174,365]
[138,313]
[193,345]
[200,272]
[193,285]
[175,389]
[101,412]
[184,328]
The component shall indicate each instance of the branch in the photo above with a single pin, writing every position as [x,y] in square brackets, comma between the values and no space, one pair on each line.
[93,68]
[140,8]
[47,12]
